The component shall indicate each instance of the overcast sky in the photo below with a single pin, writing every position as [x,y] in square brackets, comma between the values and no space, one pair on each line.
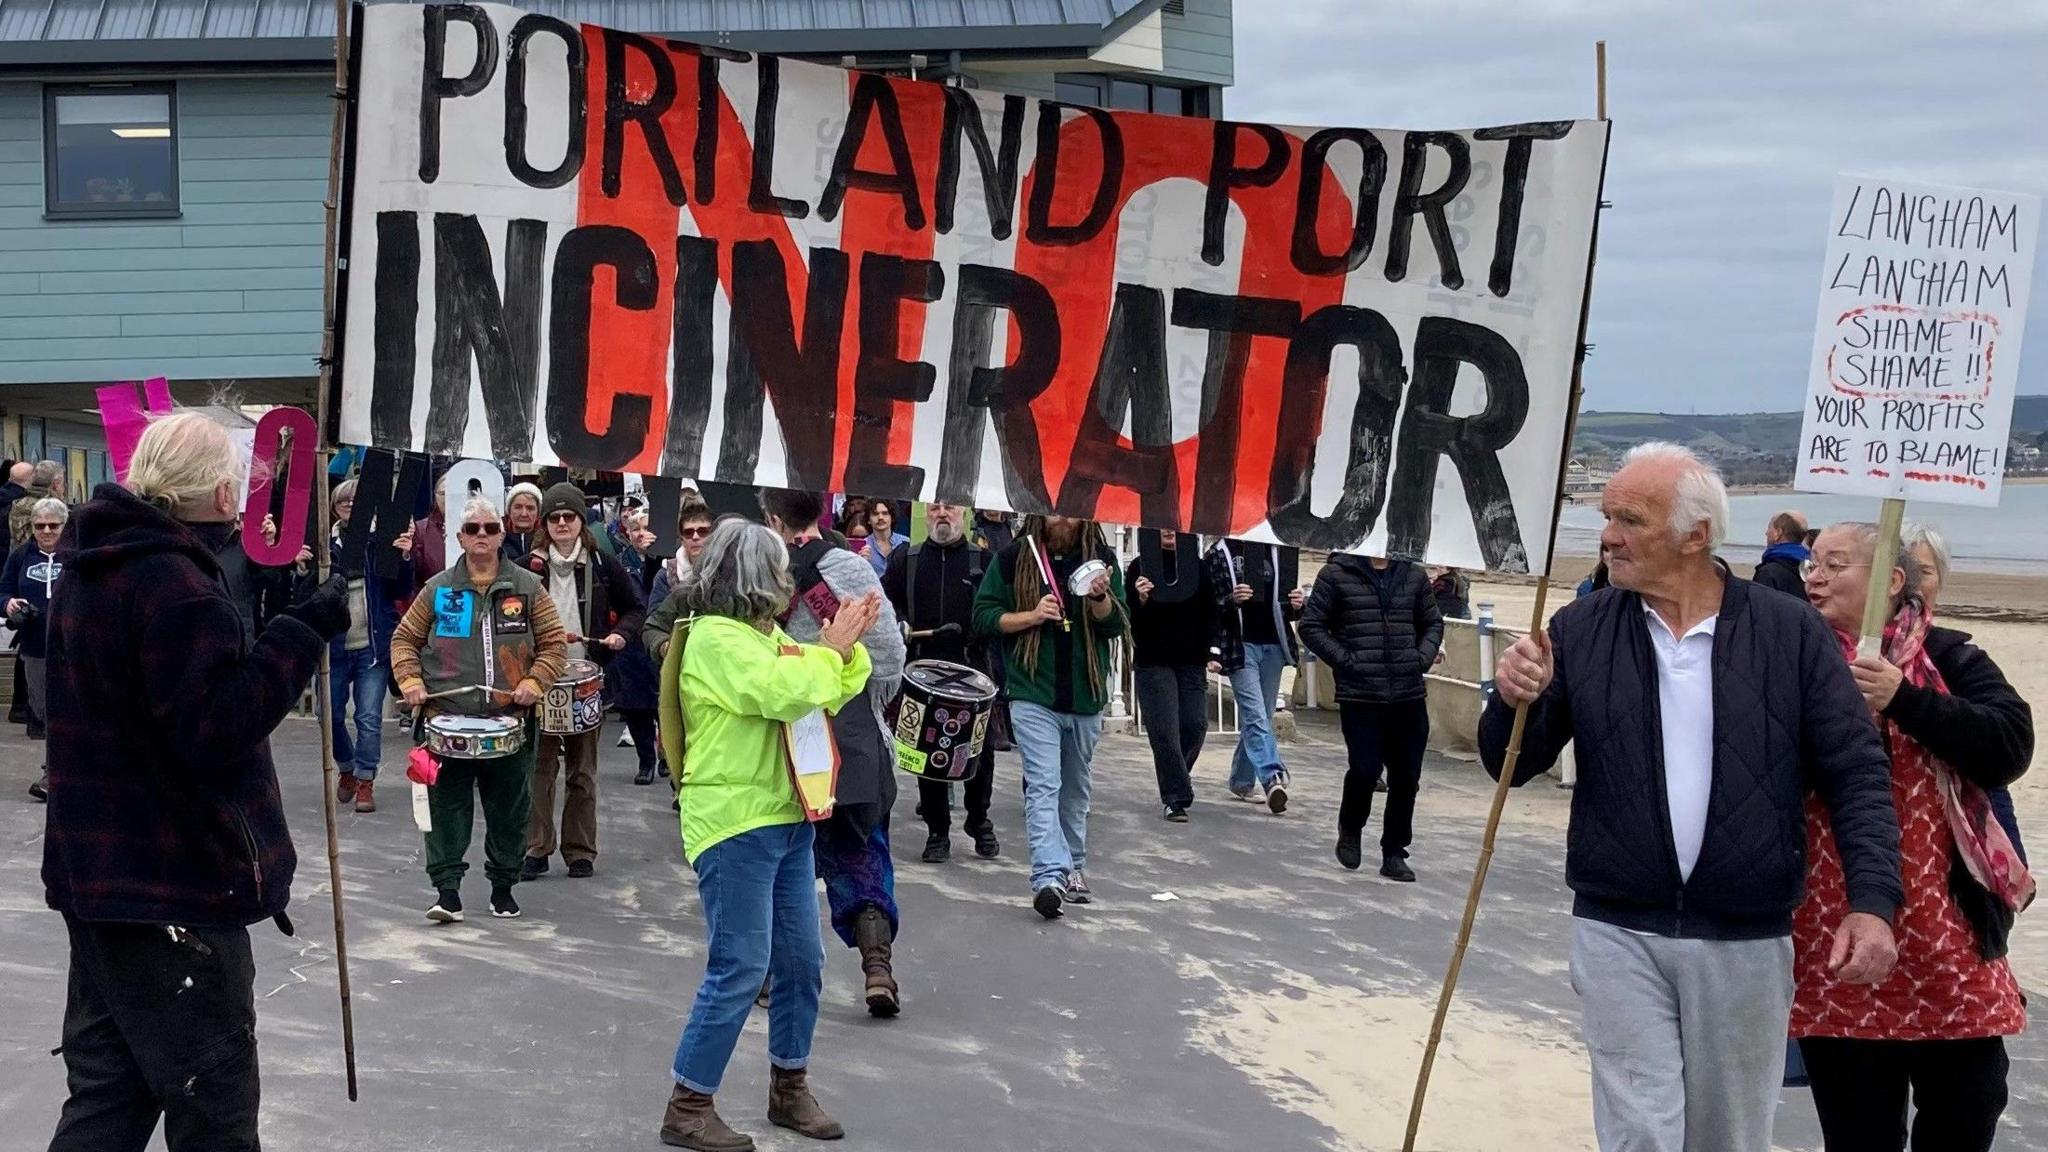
[1731,121]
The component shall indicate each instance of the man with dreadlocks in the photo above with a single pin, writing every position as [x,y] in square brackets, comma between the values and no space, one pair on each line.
[1056,647]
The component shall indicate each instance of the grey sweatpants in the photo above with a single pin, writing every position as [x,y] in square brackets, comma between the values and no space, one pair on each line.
[1687,1037]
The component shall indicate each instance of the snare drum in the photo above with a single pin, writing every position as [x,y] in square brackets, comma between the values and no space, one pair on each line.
[1084,576]
[453,737]
[575,702]
[942,721]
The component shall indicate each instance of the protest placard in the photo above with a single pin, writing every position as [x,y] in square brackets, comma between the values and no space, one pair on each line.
[578,245]
[1916,353]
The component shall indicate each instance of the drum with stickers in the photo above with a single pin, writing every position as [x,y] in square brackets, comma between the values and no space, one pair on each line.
[453,737]
[942,719]
[574,702]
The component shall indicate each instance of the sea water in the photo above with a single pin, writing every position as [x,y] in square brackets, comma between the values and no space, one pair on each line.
[2011,538]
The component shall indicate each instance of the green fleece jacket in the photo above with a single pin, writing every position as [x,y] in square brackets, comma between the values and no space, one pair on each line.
[1059,680]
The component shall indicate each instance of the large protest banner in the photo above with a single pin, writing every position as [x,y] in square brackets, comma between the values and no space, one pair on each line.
[1917,350]
[571,244]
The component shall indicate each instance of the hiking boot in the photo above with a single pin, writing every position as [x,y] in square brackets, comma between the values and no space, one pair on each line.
[1348,853]
[1176,814]
[1047,902]
[872,935]
[533,868]
[1396,868]
[791,1106]
[345,789]
[986,845]
[581,869]
[692,1122]
[366,796]
[644,776]
[40,790]
[938,848]
[447,907]
[1276,795]
[503,906]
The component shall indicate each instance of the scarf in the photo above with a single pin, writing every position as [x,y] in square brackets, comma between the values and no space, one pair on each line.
[569,599]
[1980,840]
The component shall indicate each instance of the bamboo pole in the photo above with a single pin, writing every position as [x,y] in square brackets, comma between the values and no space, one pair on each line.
[323,529]
[1514,749]
[1877,603]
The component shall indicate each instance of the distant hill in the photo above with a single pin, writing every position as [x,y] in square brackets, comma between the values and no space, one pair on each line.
[1751,434]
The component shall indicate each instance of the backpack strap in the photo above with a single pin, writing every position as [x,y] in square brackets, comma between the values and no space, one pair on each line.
[811,589]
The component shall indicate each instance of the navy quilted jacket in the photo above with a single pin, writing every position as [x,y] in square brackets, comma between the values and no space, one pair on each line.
[1787,721]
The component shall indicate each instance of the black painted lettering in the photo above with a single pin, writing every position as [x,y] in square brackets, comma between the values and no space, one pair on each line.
[634,278]
[1038,226]
[998,170]
[472,321]
[1131,375]
[1232,322]
[881,377]
[1411,201]
[435,87]
[396,292]
[761,195]
[517,117]
[689,382]
[1225,174]
[1381,378]
[1306,250]
[621,109]
[765,360]
[1004,392]
[1429,431]
[874,105]
[387,490]
[1514,183]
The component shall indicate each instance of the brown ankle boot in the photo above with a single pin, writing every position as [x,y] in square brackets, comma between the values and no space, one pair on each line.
[692,1122]
[872,936]
[791,1106]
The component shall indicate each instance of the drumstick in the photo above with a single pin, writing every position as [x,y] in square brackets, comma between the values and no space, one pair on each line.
[1045,573]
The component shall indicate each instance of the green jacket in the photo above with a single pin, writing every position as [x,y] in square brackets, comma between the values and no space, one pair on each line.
[455,635]
[1059,680]
[738,687]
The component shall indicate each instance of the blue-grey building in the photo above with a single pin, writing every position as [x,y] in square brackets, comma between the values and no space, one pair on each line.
[163,163]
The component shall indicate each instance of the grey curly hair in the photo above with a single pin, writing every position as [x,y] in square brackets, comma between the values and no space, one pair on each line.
[742,574]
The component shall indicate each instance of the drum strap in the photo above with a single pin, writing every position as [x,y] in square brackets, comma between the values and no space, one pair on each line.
[811,589]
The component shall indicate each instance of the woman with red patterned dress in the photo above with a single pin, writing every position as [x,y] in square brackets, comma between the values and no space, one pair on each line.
[1935,1030]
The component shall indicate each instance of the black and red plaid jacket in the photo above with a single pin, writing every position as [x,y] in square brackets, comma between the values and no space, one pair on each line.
[164,805]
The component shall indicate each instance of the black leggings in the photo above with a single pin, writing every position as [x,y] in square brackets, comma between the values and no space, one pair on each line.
[640,724]
[1860,1089]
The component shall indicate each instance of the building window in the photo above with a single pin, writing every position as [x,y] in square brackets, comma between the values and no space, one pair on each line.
[110,150]
[1132,95]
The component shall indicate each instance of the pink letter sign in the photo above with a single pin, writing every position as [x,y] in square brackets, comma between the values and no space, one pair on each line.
[291,532]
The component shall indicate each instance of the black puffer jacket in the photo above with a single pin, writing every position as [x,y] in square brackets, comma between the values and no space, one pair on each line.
[1378,648]
[1788,721]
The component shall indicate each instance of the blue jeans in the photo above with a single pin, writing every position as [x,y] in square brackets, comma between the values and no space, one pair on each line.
[761,912]
[1056,748]
[1257,763]
[357,674]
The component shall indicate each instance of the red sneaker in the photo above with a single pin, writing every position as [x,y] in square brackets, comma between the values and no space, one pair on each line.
[366,796]
[345,791]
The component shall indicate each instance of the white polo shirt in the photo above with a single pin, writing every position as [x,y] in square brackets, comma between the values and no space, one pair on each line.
[1685,702]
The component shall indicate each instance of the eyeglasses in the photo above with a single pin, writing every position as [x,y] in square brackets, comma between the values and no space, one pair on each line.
[697,533]
[491,529]
[1828,569]
[565,518]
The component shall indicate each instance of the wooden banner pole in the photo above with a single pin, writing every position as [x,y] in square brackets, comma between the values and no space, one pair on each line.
[1514,749]
[1877,603]
[323,701]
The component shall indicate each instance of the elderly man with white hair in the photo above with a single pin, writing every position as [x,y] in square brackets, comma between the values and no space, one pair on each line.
[1705,712]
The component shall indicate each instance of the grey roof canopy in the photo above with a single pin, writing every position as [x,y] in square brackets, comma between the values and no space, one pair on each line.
[89,32]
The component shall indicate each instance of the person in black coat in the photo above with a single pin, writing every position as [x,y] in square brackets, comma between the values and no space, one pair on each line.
[1172,634]
[1705,712]
[1785,553]
[600,606]
[166,835]
[931,586]
[1375,623]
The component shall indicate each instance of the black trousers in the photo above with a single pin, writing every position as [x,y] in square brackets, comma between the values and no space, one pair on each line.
[640,725]
[1860,1088]
[935,797]
[156,1027]
[1386,738]
[1174,700]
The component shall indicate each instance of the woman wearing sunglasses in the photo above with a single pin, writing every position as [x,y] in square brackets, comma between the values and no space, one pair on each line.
[599,603]
[25,591]
[481,622]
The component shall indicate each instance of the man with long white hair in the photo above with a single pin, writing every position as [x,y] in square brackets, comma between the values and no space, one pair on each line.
[166,836]
[1705,712]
